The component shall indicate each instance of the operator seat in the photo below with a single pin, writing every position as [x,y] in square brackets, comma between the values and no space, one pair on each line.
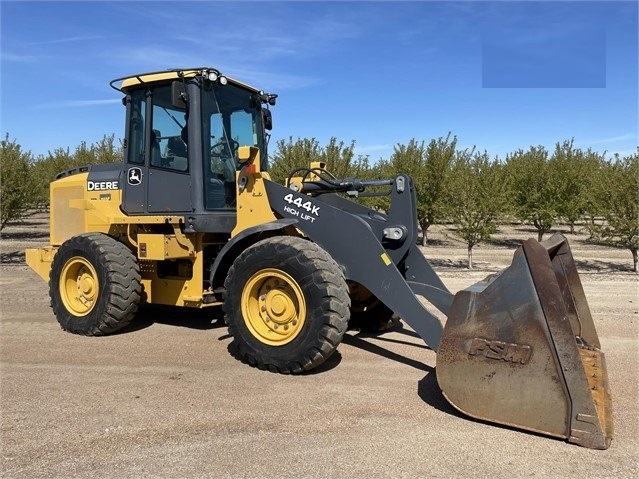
[156,155]
[177,151]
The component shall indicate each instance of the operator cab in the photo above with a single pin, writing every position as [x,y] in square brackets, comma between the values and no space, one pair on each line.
[183,131]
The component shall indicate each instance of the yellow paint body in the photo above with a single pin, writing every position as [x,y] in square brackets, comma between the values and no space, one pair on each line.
[75,210]
[253,207]
[151,78]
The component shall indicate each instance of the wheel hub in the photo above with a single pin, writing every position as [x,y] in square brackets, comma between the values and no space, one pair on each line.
[279,305]
[273,307]
[79,286]
[86,284]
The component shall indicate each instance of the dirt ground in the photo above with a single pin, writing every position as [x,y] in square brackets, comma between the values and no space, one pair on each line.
[164,398]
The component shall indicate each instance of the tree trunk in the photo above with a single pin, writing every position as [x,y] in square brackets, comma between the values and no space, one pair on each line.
[635,260]
[537,223]
[470,257]
[572,227]
[424,235]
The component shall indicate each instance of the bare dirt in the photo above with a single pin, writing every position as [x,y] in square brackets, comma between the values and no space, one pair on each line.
[164,398]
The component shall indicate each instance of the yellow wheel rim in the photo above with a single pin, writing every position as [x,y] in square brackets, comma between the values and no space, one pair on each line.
[79,286]
[273,307]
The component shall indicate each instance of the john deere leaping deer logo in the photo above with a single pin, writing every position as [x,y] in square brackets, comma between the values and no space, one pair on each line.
[134,176]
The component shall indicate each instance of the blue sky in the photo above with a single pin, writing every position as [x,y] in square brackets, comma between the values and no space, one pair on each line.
[499,75]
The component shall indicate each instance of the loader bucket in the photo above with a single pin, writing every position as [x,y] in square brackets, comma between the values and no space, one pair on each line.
[521,349]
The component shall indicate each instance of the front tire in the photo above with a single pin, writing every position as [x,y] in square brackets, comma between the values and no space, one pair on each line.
[94,285]
[286,305]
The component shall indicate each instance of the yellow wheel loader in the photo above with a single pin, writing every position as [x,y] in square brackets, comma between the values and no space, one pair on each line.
[191,218]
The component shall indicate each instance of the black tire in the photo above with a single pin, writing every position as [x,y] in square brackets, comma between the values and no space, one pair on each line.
[312,283]
[105,275]
[369,314]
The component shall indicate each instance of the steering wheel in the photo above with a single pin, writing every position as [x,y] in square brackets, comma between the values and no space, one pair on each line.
[223,162]
[221,148]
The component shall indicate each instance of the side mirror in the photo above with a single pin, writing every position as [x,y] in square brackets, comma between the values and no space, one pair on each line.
[267,119]
[178,94]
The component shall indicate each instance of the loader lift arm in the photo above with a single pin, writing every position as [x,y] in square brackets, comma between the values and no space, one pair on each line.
[402,231]
[378,260]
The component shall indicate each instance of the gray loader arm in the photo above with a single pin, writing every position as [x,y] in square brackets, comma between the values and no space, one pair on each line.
[375,250]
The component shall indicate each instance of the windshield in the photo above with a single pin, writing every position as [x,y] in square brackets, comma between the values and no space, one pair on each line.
[231,117]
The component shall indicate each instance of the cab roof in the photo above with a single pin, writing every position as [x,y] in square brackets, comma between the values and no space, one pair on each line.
[132,81]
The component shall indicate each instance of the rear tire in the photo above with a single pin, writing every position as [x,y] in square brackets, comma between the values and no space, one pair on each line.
[369,314]
[286,305]
[94,285]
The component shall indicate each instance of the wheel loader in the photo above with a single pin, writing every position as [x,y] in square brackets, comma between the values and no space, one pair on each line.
[191,218]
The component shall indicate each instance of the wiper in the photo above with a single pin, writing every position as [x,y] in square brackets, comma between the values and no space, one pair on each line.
[225,135]
[174,119]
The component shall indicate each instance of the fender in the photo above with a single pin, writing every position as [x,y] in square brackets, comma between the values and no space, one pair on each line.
[239,243]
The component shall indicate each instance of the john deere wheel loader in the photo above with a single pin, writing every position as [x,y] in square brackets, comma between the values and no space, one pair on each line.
[191,218]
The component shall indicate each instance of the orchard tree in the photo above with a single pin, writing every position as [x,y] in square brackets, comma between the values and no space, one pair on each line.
[103,151]
[408,159]
[534,191]
[47,167]
[573,173]
[429,166]
[440,155]
[16,184]
[291,155]
[476,195]
[617,198]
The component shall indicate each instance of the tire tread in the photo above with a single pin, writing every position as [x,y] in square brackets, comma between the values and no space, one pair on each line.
[333,308]
[123,286]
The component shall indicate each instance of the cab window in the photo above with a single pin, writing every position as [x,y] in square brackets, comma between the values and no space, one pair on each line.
[135,140]
[231,117]
[168,142]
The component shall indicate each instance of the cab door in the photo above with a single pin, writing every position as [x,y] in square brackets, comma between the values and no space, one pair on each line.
[133,184]
[158,179]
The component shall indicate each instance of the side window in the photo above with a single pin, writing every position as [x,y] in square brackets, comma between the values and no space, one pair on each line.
[243,128]
[219,164]
[227,133]
[222,165]
[168,135]
[135,140]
